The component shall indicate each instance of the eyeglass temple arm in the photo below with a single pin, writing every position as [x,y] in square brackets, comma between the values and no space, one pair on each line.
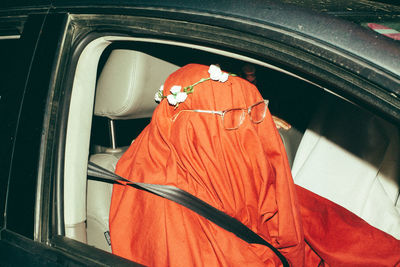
[209,111]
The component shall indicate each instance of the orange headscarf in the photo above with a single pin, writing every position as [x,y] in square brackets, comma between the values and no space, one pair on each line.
[242,172]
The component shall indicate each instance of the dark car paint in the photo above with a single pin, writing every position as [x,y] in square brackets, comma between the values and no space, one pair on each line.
[328,32]
[260,14]
[37,104]
[361,51]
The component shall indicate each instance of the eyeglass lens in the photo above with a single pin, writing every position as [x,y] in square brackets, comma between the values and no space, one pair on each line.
[257,112]
[233,118]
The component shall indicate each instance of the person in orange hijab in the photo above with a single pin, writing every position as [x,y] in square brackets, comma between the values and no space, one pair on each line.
[212,135]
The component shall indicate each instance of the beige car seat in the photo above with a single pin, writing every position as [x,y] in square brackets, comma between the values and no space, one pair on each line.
[352,158]
[125,90]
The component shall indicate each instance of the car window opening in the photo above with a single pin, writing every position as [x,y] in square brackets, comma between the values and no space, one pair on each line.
[315,120]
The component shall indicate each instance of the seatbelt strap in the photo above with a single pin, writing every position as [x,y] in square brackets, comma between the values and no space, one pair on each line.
[191,202]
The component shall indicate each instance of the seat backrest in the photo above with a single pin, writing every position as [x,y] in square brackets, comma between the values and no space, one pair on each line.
[291,139]
[125,90]
[127,84]
[351,157]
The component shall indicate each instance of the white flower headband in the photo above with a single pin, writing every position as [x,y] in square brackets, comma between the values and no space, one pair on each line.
[177,95]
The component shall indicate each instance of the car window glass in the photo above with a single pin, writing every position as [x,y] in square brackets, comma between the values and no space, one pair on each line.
[7,106]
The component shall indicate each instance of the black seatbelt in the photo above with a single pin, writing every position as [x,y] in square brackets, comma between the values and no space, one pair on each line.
[191,202]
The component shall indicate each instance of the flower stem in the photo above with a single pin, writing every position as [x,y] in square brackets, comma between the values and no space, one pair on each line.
[189,89]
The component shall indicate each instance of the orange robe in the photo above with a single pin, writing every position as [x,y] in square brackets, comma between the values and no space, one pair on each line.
[242,172]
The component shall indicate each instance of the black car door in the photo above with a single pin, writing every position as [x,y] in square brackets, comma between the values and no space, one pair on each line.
[31,48]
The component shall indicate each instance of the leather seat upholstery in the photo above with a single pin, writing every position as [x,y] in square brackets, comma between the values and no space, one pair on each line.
[291,139]
[351,157]
[125,90]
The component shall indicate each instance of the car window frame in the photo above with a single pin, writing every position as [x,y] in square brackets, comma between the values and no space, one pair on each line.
[15,96]
[79,30]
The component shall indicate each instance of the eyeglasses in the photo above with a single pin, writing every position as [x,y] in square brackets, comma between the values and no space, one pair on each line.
[234,117]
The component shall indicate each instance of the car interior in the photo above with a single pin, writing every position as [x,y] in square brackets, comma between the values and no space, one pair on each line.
[113,99]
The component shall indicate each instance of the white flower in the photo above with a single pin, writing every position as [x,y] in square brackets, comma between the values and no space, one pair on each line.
[217,75]
[215,72]
[176,99]
[159,94]
[224,77]
[176,95]
[175,89]
[172,100]
[157,97]
[181,97]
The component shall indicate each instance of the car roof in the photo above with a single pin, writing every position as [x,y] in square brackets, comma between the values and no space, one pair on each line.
[348,7]
[293,16]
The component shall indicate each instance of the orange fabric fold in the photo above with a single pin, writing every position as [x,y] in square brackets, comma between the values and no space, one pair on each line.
[243,172]
[341,238]
[234,171]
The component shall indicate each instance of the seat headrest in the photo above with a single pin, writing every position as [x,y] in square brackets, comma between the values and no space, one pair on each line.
[127,84]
